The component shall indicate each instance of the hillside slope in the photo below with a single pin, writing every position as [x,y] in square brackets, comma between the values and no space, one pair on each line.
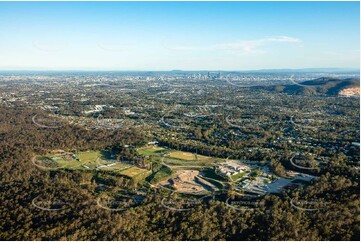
[321,86]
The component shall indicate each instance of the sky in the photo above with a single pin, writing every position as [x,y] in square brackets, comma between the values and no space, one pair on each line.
[178,35]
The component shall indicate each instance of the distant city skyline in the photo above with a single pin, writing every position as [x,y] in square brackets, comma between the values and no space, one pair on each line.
[161,36]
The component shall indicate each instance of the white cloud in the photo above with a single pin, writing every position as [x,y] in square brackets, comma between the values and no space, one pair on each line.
[245,46]
[283,39]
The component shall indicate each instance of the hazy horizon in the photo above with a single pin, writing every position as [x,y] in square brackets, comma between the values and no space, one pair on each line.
[321,69]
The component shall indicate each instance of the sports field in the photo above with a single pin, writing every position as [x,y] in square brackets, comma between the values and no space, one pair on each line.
[154,150]
[66,163]
[80,160]
[133,171]
[118,166]
[177,162]
[187,156]
[88,156]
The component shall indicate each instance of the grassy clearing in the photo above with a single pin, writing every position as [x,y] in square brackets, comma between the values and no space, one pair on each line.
[81,160]
[210,173]
[118,166]
[132,172]
[155,150]
[67,164]
[187,156]
[47,162]
[172,162]
[88,156]
[163,173]
[239,175]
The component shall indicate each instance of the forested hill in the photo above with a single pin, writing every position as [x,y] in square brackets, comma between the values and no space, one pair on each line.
[21,182]
[321,86]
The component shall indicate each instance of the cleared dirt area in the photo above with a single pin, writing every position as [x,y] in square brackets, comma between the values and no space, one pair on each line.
[188,181]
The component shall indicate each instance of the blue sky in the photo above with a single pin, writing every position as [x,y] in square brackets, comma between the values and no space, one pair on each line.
[178,35]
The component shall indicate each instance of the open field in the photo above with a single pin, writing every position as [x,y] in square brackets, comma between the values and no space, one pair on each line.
[238,175]
[81,160]
[187,156]
[116,167]
[88,156]
[133,171]
[211,173]
[154,150]
[173,162]
[46,162]
[163,173]
[66,163]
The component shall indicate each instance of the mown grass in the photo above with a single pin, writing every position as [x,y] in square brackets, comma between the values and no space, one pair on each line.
[155,150]
[239,175]
[162,174]
[187,156]
[210,172]
[132,172]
